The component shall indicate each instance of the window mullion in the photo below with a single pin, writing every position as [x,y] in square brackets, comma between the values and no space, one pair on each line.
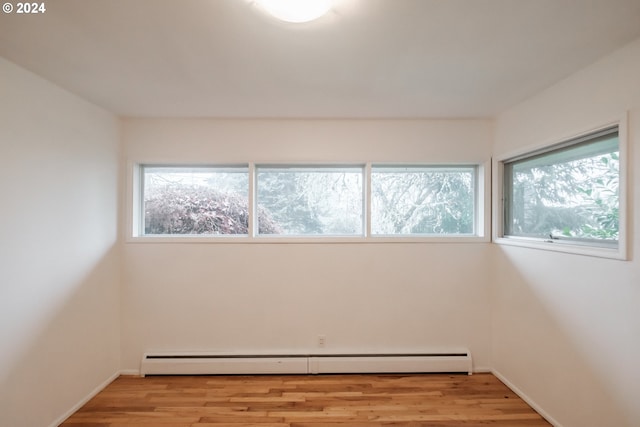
[367,199]
[252,208]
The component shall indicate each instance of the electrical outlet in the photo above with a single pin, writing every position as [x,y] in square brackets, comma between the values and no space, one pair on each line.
[322,340]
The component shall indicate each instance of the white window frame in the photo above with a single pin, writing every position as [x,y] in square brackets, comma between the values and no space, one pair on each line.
[134,205]
[565,246]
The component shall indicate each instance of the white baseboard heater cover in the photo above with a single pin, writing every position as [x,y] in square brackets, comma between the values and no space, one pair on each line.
[237,364]
[203,364]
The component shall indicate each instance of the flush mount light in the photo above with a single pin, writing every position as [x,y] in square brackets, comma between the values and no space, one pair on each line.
[296,10]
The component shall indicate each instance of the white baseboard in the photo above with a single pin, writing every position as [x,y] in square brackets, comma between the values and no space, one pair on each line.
[476,370]
[82,402]
[527,399]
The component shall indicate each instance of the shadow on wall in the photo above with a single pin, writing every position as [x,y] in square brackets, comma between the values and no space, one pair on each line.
[551,339]
[62,344]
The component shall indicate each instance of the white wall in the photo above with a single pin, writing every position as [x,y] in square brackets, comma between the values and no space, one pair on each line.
[59,264]
[566,328]
[280,297]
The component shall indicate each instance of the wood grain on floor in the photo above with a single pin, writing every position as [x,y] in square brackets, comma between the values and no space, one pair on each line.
[434,400]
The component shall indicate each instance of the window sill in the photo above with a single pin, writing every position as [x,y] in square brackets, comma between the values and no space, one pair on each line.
[557,246]
[306,239]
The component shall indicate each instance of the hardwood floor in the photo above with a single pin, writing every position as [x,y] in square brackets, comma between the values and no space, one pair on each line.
[433,400]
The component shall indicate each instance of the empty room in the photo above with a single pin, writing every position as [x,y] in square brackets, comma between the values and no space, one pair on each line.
[319,213]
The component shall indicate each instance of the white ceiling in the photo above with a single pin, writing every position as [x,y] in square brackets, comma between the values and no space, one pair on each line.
[366,59]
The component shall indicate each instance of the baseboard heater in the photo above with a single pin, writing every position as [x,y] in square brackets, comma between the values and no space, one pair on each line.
[238,364]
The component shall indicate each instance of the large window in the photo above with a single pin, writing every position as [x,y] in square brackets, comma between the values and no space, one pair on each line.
[310,200]
[567,194]
[268,202]
[423,200]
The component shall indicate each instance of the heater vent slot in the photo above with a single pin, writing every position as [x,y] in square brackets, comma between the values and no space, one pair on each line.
[187,363]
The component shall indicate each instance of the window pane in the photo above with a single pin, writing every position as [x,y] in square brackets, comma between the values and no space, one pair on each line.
[570,193]
[310,200]
[195,200]
[422,200]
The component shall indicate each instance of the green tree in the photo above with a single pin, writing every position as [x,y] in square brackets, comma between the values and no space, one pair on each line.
[423,202]
[577,198]
[312,201]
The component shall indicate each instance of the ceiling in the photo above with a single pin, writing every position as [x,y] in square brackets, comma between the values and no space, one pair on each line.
[365,59]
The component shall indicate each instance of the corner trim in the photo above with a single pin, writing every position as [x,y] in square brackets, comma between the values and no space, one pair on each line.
[86,399]
[527,399]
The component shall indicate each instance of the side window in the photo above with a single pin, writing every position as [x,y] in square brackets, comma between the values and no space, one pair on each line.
[195,200]
[310,200]
[567,194]
[423,200]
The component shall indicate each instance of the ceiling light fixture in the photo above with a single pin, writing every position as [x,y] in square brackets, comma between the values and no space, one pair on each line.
[296,10]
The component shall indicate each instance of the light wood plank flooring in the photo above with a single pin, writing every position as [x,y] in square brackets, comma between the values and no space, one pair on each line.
[433,400]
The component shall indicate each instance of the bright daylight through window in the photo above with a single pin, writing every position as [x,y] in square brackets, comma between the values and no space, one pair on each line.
[570,194]
[310,200]
[423,200]
[307,201]
[195,200]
